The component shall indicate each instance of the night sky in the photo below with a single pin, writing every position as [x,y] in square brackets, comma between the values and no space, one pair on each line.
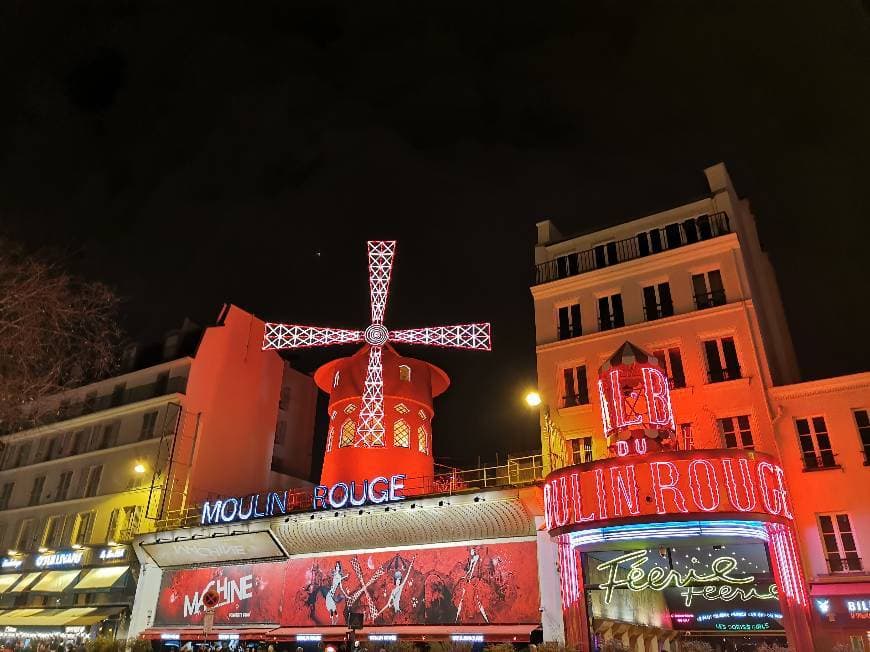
[194,153]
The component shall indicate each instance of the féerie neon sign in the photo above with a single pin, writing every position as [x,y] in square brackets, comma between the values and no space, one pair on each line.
[719,584]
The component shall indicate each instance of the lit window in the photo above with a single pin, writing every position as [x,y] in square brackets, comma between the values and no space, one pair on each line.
[350,408]
[329,438]
[736,432]
[348,430]
[404,372]
[687,436]
[401,408]
[815,443]
[422,415]
[423,440]
[336,378]
[862,420]
[333,415]
[401,434]
[839,542]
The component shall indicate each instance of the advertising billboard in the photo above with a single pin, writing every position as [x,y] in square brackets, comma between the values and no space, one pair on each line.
[485,583]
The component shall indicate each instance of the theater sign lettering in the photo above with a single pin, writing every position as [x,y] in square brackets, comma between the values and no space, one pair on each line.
[687,484]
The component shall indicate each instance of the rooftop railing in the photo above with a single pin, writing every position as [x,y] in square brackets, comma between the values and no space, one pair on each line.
[672,236]
[516,472]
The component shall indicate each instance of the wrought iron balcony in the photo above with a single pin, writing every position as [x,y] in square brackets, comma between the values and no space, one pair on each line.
[825,460]
[722,375]
[643,244]
[710,299]
[657,311]
[573,400]
[851,563]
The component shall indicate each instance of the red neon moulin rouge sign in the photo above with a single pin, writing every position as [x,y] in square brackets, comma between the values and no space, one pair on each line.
[635,402]
[676,485]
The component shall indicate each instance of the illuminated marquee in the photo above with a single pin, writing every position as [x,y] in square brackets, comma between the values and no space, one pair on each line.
[635,402]
[673,484]
[59,559]
[719,584]
[341,494]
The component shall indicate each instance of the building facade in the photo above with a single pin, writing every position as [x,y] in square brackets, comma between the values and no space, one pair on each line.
[132,453]
[693,288]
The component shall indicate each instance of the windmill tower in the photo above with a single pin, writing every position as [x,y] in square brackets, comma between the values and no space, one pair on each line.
[380,407]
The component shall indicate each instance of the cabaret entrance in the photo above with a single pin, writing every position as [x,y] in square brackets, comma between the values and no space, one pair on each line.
[674,546]
[658,546]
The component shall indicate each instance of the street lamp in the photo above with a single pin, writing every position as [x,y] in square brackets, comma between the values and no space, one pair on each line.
[139,468]
[533,399]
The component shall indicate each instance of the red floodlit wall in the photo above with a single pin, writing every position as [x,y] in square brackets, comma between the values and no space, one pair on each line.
[409,387]
[234,385]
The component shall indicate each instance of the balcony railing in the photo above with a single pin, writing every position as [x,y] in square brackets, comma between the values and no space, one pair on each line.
[643,244]
[574,330]
[722,375]
[824,460]
[658,311]
[848,564]
[710,299]
[573,400]
[608,322]
[90,405]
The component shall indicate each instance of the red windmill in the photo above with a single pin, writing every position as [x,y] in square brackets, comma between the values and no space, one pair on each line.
[377,390]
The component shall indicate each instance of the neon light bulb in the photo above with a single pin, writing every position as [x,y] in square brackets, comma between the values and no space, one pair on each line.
[622,422]
[748,504]
[605,409]
[659,487]
[623,485]
[658,398]
[712,483]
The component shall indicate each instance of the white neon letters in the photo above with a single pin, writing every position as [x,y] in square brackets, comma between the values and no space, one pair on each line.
[376,491]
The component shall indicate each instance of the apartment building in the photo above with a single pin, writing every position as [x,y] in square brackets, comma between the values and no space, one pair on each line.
[693,286]
[214,415]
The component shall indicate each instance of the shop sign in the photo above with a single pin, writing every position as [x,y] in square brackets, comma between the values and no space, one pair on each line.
[73,558]
[384,638]
[719,584]
[11,562]
[75,629]
[668,483]
[308,638]
[375,491]
[109,554]
[858,609]
[466,638]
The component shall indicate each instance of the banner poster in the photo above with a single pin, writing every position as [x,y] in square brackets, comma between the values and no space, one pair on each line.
[470,584]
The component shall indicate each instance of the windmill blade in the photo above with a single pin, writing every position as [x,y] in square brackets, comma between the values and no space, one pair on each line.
[461,336]
[370,428]
[291,336]
[381,253]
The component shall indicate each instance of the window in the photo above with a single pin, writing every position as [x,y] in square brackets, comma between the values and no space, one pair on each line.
[335,379]
[118,394]
[280,432]
[610,312]
[671,363]
[580,450]
[58,446]
[149,421]
[63,486]
[348,430]
[84,525]
[422,414]
[80,442]
[90,403]
[423,440]
[862,420]
[23,455]
[42,450]
[708,289]
[736,432]
[815,443]
[687,437]
[350,408]
[108,436]
[839,542]
[162,383]
[36,490]
[576,387]
[569,321]
[6,494]
[26,539]
[53,534]
[401,434]
[284,398]
[605,254]
[329,435]
[657,302]
[404,373]
[93,481]
[401,408]
[722,363]
[123,524]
